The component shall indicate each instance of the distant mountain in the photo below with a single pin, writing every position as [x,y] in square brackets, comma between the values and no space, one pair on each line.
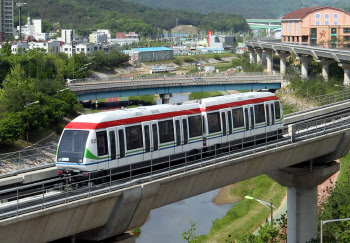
[246,8]
[118,15]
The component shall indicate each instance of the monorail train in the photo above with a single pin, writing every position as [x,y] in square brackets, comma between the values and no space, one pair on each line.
[97,142]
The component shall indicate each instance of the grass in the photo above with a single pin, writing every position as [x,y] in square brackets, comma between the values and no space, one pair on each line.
[344,168]
[145,98]
[206,94]
[247,215]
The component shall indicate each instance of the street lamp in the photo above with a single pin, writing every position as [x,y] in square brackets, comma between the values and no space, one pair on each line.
[266,204]
[327,221]
[20,5]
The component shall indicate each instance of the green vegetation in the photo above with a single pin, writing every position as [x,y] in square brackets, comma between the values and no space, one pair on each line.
[246,65]
[146,98]
[202,95]
[189,235]
[242,217]
[117,15]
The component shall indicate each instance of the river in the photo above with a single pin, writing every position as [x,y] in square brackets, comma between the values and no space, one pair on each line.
[166,224]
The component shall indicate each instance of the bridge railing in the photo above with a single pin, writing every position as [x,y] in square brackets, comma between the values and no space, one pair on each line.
[20,200]
[167,76]
[309,103]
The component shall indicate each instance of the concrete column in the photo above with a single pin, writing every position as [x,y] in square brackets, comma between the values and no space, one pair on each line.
[263,60]
[325,67]
[165,98]
[269,60]
[301,183]
[305,65]
[346,68]
[283,61]
[252,54]
[259,56]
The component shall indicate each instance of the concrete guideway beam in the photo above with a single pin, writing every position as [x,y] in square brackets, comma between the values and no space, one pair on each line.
[301,186]
[269,60]
[325,67]
[283,61]
[128,208]
[346,67]
[304,60]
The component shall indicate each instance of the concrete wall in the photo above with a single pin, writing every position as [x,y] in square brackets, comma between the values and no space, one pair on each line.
[150,56]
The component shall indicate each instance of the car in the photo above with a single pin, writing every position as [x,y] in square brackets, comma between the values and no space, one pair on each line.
[198,79]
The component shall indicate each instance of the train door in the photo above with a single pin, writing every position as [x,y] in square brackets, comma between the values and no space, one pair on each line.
[177,130]
[146,140]
[154,139]
[121,147]
[223,125]
[112,146]
[184,129]
[247,132]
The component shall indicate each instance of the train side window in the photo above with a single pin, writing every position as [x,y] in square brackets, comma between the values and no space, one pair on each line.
[112,142]
[267,115]
[272,114]
[223,118]
[166,131]
[246,115]
[214,123]
[252,117]
[155,137]
[178,134]
[147,140]
[134,137]
[259,113]
[277,110]
[185,131]
[229,118]
[121,143]
[195,126]
[238,119]
[102,147]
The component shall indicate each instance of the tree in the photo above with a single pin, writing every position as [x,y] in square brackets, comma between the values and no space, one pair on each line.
[6,49]
[189,235]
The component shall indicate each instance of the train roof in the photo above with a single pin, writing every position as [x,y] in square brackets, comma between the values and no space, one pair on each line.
[133,115]
[239,98]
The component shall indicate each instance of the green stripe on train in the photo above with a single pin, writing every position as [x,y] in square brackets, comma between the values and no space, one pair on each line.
[89,155]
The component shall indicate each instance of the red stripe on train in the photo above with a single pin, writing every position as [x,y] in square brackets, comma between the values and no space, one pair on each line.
[87,125]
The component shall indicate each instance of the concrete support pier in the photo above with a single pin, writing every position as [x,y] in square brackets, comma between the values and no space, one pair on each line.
[301,182]
[346,68]
[325,67]
[283,61]
[269,60]
[165,98]
[304,60]
[259,56]
[252,55]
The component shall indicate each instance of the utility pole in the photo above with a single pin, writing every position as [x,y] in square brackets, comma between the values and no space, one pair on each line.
[20,5]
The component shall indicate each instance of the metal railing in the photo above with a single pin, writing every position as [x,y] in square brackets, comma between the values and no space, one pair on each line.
[39,196]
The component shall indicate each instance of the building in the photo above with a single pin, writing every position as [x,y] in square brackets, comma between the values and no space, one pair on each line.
[221,41]
[31,30]
[316,26]
[48,46]
[123,39]
[67,35]
[19,47]
[6,19]
[151,54]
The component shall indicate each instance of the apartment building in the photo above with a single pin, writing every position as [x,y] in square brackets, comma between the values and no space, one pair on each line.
[6,19]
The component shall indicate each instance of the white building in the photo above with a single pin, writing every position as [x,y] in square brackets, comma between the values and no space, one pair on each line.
[98,37]
[221,41]
[23,46]
[67,35]
[49,47]
[31,29]
[86,48]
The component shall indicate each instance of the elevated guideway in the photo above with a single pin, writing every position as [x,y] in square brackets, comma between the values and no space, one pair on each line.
[104,211]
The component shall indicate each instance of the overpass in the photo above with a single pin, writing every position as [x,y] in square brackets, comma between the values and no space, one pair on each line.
[98,212]
[261,50]
[109,89]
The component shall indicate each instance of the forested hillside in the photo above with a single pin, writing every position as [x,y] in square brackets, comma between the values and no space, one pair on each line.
[117,15]
[246,8]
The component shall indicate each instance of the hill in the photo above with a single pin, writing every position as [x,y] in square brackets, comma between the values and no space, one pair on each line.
[118,15]
[246,8]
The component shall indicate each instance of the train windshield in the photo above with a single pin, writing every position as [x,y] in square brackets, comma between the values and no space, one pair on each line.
[72,146]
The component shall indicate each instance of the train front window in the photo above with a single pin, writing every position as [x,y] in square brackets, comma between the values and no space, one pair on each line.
[72,146]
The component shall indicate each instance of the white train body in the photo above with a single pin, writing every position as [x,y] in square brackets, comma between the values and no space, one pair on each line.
[104,140]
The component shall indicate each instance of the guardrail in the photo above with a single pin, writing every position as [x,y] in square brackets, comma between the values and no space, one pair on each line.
[47,195]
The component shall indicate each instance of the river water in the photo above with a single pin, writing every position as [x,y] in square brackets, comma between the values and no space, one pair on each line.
[166,224]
